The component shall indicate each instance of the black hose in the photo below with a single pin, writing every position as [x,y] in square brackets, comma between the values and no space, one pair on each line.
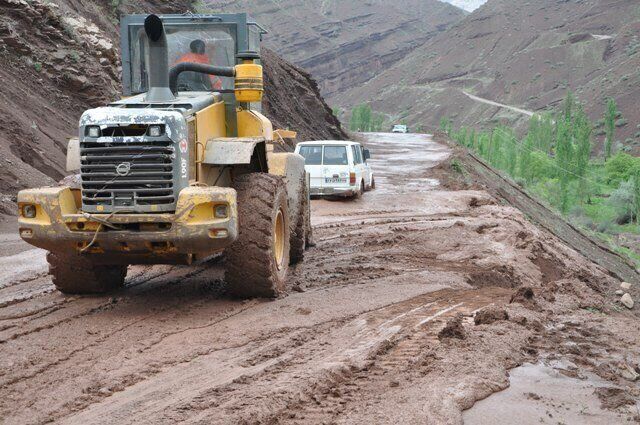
[219,71]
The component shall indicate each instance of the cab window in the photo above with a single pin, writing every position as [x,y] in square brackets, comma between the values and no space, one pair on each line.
[187,43]
[335,155]
[312,154]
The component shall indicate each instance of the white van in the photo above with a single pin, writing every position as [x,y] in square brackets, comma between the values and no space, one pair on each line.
[337,167]
[400,128]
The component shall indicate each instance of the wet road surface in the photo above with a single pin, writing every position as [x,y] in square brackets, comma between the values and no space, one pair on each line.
[355,341]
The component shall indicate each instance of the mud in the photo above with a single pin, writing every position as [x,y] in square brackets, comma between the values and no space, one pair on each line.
[356,340]
[453,328]
[489,315]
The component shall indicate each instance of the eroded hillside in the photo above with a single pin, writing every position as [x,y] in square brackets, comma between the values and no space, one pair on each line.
[344,44]
[521,53]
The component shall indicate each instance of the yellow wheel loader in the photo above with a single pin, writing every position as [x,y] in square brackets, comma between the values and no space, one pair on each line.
[181,169]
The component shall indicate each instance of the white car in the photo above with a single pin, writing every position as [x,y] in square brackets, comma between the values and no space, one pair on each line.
[337,167]
[398,128]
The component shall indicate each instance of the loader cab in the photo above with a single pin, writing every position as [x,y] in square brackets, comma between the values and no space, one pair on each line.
[224,38]
[228,40]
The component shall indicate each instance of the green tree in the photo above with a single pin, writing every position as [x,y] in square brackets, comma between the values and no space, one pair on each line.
[568,105]
[582,135]
[564,156]
[610,127]
[636,193]
[525,160]
[361,118]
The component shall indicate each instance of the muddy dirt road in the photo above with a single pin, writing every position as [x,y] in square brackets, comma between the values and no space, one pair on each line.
[378,327]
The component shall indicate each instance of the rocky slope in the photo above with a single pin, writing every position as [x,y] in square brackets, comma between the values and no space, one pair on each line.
[520,53]
[344,44]
[58,59]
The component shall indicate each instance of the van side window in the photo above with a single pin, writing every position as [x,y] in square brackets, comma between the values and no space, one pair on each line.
[357,157]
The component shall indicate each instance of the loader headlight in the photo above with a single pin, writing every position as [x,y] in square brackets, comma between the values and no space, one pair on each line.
[221,211]
[29,211]
[155,130]
[93,131]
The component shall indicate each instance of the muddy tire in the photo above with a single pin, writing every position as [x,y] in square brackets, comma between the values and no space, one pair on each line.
[360,191]
[74,274]
[258,261]
[299,236]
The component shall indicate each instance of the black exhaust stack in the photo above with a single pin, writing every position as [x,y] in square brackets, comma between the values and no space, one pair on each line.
[158,65]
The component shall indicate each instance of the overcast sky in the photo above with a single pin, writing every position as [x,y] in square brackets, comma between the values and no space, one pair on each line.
[469,5]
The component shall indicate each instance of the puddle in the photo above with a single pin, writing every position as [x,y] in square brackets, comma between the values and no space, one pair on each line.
[542,394]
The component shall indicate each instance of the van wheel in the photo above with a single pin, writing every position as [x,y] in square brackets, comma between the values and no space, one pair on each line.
[258,261]
[75,274]
[360,191]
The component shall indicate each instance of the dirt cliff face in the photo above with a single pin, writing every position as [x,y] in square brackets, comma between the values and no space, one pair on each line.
[521,53]
[292,101]
[344,44]
[59,59]
[56,60]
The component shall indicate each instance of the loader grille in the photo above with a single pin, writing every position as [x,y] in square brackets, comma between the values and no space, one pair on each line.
[135,176]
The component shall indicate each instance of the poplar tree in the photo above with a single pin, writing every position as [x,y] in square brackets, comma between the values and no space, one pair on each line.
[582,135]
[610,127]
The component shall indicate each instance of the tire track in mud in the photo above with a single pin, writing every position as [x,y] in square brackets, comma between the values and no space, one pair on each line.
[101,304]
[320,371]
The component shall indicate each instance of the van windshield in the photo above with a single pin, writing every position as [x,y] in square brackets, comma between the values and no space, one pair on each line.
[335,155]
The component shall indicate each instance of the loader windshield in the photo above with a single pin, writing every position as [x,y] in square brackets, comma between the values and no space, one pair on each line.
[187,43]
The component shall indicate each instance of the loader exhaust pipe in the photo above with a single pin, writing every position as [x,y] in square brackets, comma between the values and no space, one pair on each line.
[158,66]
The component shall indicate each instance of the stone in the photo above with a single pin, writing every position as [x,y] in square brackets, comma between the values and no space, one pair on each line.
[619,292]
[629,373]
[625,286]
[627,301]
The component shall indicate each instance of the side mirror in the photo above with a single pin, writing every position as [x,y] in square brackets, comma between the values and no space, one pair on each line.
[367,154]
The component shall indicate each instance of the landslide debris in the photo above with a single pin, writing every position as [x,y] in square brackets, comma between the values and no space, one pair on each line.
[453,328]
[490,314]
[293,101]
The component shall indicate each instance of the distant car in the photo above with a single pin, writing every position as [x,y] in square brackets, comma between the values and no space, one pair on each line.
[337,167]
[398,128]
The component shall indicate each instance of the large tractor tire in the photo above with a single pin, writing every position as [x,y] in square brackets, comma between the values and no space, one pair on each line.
[73,274]
[258,261]
[300,234]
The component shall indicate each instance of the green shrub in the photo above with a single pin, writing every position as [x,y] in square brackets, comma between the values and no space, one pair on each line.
[620,167]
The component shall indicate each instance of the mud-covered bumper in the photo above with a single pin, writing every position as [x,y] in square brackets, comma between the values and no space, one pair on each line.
[195,227]
[332,191]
